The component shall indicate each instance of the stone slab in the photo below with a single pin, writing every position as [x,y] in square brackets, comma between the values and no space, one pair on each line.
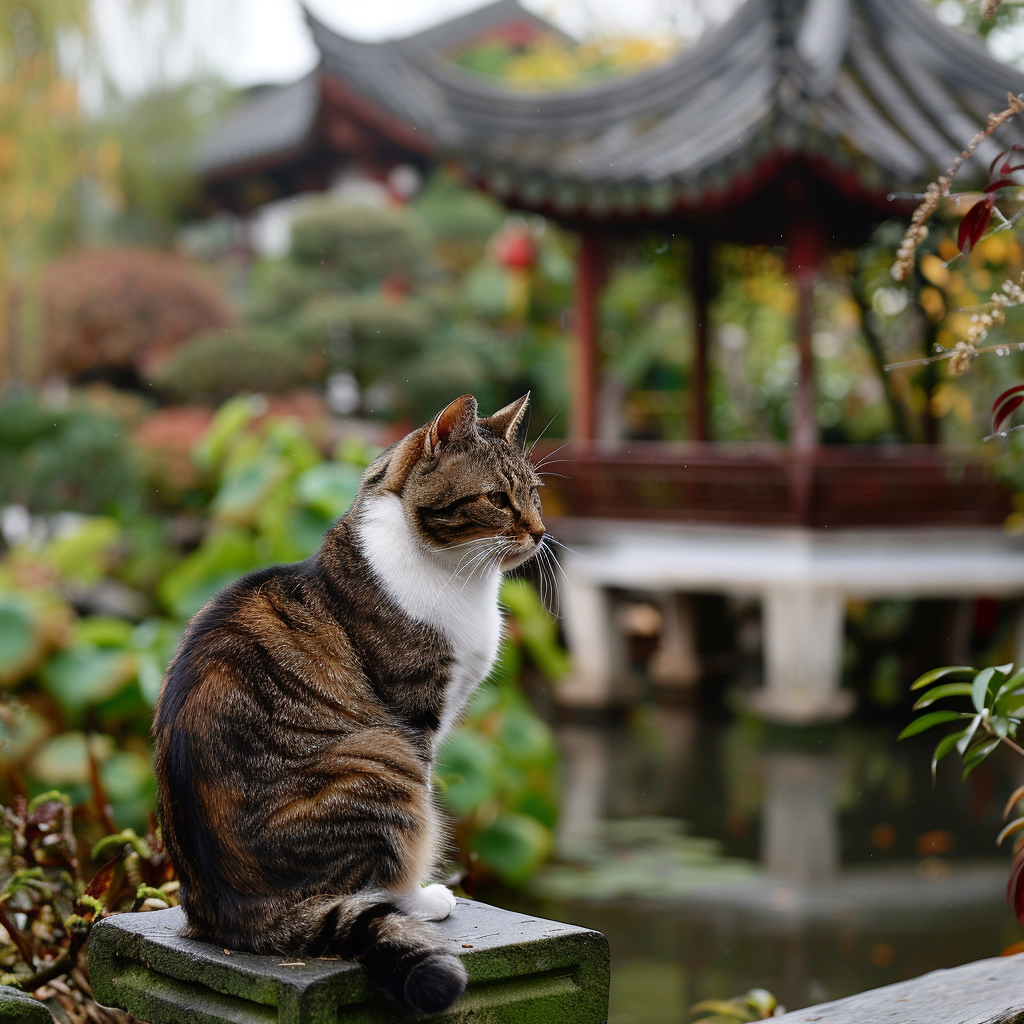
[522,970]
[19,1007]
[983,992]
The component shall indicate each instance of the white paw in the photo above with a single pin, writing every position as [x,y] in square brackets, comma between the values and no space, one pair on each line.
[436,902]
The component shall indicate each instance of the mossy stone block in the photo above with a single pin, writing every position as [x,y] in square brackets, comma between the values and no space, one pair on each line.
[522,970]
[19,1006]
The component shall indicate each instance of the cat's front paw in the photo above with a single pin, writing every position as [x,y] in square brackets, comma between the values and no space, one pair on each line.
[436,902]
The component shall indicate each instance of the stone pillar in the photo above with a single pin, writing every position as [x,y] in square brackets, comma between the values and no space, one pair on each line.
[802,627]
[675,665]
[599,659]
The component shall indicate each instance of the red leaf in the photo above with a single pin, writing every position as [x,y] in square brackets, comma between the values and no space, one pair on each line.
[1015,887]
[995,186]
[973,225]
[101,880]
[1004,406]
[1006,168]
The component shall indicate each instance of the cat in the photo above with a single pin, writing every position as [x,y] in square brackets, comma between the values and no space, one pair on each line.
[299,718]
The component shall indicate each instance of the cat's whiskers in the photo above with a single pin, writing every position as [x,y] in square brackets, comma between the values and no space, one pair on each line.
[563,545]
[543,432]
[467,561]
[549,584]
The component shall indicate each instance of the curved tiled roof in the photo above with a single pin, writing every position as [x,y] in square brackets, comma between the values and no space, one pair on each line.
[876,89]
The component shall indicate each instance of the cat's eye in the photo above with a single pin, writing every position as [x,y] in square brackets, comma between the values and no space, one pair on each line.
[499,499]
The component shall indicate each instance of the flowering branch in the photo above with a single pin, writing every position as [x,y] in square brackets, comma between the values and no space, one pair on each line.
[917,232]
[990,315]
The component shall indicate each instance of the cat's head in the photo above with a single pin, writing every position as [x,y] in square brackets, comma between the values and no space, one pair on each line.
[466,484]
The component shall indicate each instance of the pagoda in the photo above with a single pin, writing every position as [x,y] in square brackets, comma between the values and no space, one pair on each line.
[793,123]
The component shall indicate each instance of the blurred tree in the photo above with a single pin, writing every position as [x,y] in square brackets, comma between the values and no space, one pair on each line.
[54,165]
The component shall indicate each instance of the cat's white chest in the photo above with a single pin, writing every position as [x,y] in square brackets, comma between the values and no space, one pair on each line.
[464,609]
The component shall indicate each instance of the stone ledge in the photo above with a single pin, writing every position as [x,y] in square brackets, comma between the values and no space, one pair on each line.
[20,1008]
[522,970]
[983,992]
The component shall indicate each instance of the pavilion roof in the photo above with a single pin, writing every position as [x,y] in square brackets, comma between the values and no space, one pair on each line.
[876,94]
[276,122]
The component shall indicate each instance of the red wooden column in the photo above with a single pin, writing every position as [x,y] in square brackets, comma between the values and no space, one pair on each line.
[586,322]
[805,250]
[700,291]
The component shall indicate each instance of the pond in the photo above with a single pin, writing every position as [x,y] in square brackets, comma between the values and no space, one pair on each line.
[718,857]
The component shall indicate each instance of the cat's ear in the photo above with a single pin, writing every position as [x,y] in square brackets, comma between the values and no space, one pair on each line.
[452,420]
[511,422]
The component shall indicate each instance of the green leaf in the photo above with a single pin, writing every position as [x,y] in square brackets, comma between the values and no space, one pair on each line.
[946,690]
[468,766]
[1009,703]
[84,553]
[943,747]
[537,628]
[525,739]
[104,631]
[328,488]
[1017,679]
[939,673]
[979,688]
[761,1000]
[514,846]
[710,1009]
[925,722]
[17,638]
[978,753]
[85,675]
[965,740]
[219,560]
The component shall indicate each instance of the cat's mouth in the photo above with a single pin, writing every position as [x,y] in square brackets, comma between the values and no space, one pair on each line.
[518,552]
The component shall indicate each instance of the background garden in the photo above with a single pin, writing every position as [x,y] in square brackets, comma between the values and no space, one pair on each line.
[183,400]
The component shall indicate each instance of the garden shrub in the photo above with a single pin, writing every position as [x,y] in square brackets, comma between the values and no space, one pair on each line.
[74,458]
[123,311]
[237,360]
[364,334]
[360,244]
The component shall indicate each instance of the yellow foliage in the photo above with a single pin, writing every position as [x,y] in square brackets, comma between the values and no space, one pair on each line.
[934,270]
[108,156]
[947,397]
[948,249]
[994,248]
[982,279]
[551,61]
[933,303]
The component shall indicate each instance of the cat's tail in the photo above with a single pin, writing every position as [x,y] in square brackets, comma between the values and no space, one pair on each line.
[403,955]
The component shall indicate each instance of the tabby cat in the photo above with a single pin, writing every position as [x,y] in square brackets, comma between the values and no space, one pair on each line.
[299,719]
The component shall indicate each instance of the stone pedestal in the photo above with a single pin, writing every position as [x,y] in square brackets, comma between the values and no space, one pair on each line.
[522,970]
[17,1007]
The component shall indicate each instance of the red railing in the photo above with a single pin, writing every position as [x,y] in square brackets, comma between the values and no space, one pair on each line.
[907,485]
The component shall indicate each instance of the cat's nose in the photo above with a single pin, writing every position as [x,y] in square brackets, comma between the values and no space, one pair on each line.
[538,535]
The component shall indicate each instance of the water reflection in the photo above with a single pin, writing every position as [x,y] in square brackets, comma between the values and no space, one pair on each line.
[800,818]
[718,858]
